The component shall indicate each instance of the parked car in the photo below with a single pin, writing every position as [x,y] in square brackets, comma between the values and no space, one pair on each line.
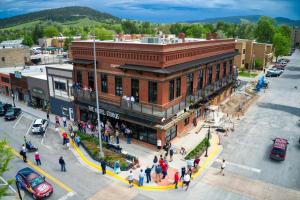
[273,73]
[277,69]
[39,126]
[12,114]
[34,183]
[281,67]
[4,108]
[279,149]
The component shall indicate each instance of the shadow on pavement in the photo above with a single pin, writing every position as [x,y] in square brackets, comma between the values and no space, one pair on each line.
[293,68]
[288,109]
[291,76]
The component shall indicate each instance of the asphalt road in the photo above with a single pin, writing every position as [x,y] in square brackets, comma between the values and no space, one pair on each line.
[275,114]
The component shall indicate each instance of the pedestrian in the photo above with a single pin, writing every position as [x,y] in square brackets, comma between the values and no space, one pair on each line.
[77,140]
[161,160]
[117,136]
[68,143]
[176,179]
[23,154]
[148,174]
[164,169]
[117,167]
[171,154]
[158,172]
[65,136]
[223,167]
[130,179]
[48,117]
[103,166]
[62,164]
[56,128]
[79,126]
[196,162]
[23,147]
[159,144]
[128,134]
[189,164]
[186,181]
[37,158]
[70,128]
[155,160]
[57,121]
[25,140]
[141,178]
[182,172]
[65,121]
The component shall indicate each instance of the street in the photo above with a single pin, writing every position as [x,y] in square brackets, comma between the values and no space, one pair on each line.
[246,150]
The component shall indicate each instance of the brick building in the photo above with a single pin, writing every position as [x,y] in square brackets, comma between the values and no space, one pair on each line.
[157,90]
[11,57]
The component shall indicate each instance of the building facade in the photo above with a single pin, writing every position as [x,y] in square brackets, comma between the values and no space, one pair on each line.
[249,51]
[38,88]
[11,57]
[60,82]
[158,90]
[5,86]
[295,37]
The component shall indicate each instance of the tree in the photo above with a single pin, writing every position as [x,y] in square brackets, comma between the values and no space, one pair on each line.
[50,31]
[265,30]
[245,30]
[258,64]
[285,30]
[27,40]
[176,28]
[6,156]
[37,33]
[130,27]
[281,44]
[103,34]
[67,43]
[195,31]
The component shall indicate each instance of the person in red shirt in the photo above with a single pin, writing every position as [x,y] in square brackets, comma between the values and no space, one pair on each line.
[176,179]
[65,136]
[196,162]
[164,168]
[37,158]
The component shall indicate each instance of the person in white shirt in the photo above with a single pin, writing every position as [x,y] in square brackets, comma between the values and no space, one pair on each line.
[223,167]
[130,179]
[159,144]
[186,181]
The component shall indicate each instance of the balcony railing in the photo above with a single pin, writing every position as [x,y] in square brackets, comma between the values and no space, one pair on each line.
[84,95]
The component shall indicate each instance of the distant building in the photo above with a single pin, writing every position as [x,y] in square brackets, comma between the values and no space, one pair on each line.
[10,57]
[57,42]
[60,82]
[249,51]
[11,44]
[295,37]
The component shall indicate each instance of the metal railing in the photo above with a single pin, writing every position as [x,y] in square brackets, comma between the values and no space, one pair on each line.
[84,95]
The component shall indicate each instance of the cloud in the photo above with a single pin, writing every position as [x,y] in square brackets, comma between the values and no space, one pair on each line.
[158,10]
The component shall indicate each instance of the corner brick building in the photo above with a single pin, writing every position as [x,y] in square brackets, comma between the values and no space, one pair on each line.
[158,90]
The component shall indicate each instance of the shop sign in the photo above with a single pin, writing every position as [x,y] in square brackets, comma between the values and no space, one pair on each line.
[38,91]
[103,112]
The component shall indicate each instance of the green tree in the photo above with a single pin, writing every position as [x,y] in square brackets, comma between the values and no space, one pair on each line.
[285,30]
[103,34]
[265,30]
[281,44]
[37,33]
[27,40]
[6,156]
[50,31]
[130,27]
[67,43]
[245,30]
[195,30]
[258,64]
[176,28]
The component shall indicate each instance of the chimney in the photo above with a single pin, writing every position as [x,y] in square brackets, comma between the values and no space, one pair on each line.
[181,36]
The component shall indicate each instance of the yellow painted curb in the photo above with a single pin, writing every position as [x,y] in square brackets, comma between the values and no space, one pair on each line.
[62,185]
[160,187]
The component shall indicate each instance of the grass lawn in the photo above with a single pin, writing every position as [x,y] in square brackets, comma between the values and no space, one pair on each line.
[247,74]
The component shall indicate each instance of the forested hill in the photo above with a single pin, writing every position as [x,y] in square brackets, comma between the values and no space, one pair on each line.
[59,14]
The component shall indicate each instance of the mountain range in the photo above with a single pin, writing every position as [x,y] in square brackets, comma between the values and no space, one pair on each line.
[76,12]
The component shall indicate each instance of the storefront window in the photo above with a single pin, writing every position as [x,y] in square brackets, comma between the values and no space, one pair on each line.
[118,86]
[79,77]
[171,90]
[224,68]
[189,84]
[209,74]
[217,72]
[104,83]
[171,133]
[200,79]
[178,87]
[230,66]
[152,92]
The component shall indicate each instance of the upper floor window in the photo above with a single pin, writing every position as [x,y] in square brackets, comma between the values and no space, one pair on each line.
[230,67]
[171,90]
[60,86]
[189,83]
[104,83]
[224,68]
[135,89]
[79,76]
[3,59]
[118,86]
[178,87]
[152,92]
[91,80]
[209,75]
[200,79]
[217,72]
[244,51]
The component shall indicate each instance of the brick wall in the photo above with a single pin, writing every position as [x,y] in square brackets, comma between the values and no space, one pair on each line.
[10,57]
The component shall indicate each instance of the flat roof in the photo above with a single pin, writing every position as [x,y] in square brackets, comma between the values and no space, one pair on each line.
[178,67]
[61,66]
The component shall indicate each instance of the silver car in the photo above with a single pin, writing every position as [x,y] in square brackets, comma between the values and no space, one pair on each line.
[39,126]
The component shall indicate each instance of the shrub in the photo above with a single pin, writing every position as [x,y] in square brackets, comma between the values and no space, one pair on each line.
[258,64]
[199,149]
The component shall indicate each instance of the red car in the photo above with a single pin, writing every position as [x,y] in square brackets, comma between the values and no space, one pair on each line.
[34,183]
[279,148]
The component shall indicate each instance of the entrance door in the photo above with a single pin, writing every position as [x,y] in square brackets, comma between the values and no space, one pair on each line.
[135,89]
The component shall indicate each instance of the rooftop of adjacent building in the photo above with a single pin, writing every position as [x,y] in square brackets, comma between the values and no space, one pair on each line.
[253,41]
[11,44]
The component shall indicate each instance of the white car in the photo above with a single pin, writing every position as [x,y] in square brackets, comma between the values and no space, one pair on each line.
[39,126]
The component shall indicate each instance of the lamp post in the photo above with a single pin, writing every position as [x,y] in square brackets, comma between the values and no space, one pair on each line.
[101,153]
[207,144]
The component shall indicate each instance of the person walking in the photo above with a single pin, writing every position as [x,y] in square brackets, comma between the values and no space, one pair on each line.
[48,117]
[130,179]
[158,144]
[37,158]
[148,174]
[164,168]
[70,128]
[176,179]
[141,178]
[117,136]
[182,173]
[186,181]
[196,163]
[155,160]
[171,154]
[65,136]
[57,121]
[62,164]
[103,166]
[117,167]
[158,172]
[77,140]
[23,153]
[128,134]
[223,165]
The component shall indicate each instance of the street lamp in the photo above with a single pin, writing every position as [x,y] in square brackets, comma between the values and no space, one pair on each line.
[207,143]
[101,153]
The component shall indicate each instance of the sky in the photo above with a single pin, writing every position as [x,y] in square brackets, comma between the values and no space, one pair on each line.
[163,10]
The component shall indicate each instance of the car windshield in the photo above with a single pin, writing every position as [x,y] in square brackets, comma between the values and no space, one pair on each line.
[36,181]
[10,112]
[36,125]
[278,151]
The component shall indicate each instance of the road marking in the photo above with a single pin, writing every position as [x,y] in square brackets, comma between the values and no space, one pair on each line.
[69,194]
[42,143]
[6,183]
[18,121]
[29,128]
[58,182]
[241,166]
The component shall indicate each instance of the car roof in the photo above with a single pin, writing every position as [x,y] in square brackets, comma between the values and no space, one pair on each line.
[280,143]
[26,171]
[38,121]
